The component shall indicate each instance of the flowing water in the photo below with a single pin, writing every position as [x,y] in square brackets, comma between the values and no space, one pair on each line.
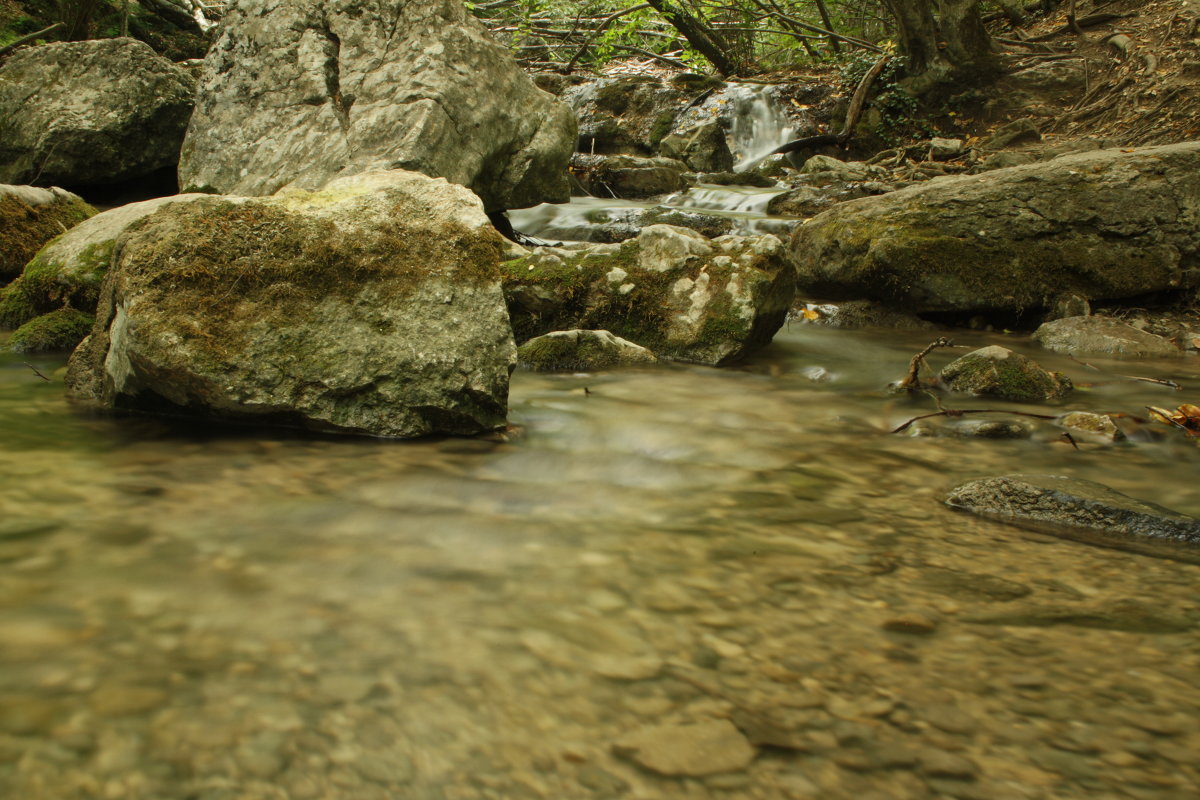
[201,614]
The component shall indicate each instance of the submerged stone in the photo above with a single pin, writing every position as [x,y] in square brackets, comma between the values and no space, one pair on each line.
[1102,336]
[1081,510]
[999,372]
[571,351]
[696,750]
[372,306]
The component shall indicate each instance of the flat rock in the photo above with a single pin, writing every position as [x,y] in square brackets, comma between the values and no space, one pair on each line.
[1081,510]
[1102,336]
[695,750]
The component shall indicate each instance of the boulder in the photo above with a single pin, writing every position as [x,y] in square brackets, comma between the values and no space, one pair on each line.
[30,217]
[703,148]
[1108,224]
[91,112]
[1081,510]
[1102,336]
[372,306]
[579,351]
[296,94]
[68,271]
[631,114]
[628,177]
[808,201]
[58,331]
[999,372]
[824,170]
[670,289]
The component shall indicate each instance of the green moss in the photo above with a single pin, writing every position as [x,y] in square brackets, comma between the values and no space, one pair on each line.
[57,331]
[24,229]
[1010,378]
[661,127]
[15,308]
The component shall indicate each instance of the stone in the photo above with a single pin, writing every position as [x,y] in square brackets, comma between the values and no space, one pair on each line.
[808,201]
[628,177]
[628,114]
[990,429]
[1090,425]
[827,169]
[1102,336]
[996,371]
[942,764]
[1102,225]
[1081,510]
[297,94]
[940,147]
[370,307]
[91,112]
[858,314]
[703,148]
[581,351]
[30,217]
[58,331]
[692,750]
[671,290]
[914,624]
[1019,131]
[69,270]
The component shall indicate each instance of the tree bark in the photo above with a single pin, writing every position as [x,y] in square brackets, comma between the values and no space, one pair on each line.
[699,36]
[944,42]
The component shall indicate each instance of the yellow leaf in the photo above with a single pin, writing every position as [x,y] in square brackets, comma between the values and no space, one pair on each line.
[809,314]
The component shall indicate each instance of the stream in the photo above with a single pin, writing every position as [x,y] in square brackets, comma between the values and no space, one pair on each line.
[197,614]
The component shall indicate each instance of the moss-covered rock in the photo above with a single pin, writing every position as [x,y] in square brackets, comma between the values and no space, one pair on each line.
[671,290]
[372,306]
[629,177]
[577,351]
[1107,224]
[999,372]
[58,331]
[30,217]
[703,148]
[69,270]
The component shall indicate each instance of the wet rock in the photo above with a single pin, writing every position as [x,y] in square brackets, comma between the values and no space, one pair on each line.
[581,351]
[629,114]
[1081,510]
[703,148]
[1114,224]
[807,201]
[670,290]
[942,764]
[856,314]
[58,331]
[69,270]
[629,177]
[30,217]
[333,330]
[736,179]
[915,624]
[990,429]
[1102,336]
[948,718]
[693,750]
[999,372]
[1091,425]
[96,111]
[297,94]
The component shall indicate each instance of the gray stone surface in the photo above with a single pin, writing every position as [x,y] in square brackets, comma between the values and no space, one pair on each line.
[1082,510]
[999,372]
[1102,336]
[1107,224]
[695,750]
[372,306]
[570,351]
[90,112]
[629,177]
[703,148]
[295,94]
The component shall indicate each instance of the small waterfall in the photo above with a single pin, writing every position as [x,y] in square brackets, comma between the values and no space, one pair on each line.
[758,124]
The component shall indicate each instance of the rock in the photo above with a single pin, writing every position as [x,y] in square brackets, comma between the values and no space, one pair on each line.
[670,290]
[856,314]
[370,307]
[1081,510]
[58,331]
[943,764]
[913,624]
[1108,224]
[30,217]
[940,148]
[1102,336]
[70,269]
[827,169]
[1091,425]
[610,225]
[1118,615]
[703,148]
[807,201]
[737,179]
[1043,86]
[1005,160]
[999,372]
[990,429]
[629,114]
[577,351]
[695,750]
[296,94]
[628,177]
[96,111]
[1019,131]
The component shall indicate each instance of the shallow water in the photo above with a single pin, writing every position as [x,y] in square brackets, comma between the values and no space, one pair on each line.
[191,613]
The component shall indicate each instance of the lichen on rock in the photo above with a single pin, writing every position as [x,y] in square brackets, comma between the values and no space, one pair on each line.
[577,351]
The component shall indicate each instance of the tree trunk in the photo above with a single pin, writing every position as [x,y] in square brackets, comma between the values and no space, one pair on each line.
[699,36]
[944,42]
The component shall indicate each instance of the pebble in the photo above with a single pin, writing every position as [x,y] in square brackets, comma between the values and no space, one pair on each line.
[122,701]
[941,764]
[692,750]
[916,624]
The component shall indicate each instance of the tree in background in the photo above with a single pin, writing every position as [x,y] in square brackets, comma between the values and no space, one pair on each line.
[944,42]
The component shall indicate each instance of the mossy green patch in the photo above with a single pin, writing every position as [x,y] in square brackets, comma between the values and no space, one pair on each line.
[60,330]
[25,228]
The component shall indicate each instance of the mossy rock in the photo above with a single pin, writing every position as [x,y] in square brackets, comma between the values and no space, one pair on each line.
[58,331]
[998,372]
[580,351]
[30,217]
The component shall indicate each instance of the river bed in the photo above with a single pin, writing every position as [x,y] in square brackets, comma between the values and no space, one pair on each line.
[201,614]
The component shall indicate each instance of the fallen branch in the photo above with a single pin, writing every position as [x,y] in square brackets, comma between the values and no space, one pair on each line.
[36,371]
[857,102]
[912,381]
[958,412]
[8,48]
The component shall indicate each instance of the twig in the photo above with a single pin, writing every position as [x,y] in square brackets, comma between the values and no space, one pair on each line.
[1159,381]
[36,371]
[958,412]
[1069,439]
[8,48]
[912,380]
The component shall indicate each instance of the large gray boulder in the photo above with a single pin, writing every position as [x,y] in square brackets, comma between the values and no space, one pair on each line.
[372,306]
[296,94]
[30,217]
[672,290]
[1102,225]
[99,111]
[1082,510]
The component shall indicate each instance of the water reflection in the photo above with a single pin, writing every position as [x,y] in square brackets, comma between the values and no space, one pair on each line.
[196,614]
